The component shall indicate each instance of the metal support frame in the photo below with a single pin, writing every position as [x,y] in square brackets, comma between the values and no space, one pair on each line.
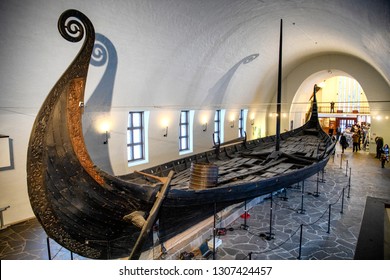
[244,226]
[302,211]
[322,176]
[214,230]
[317,193]
[269,235]
[330,211]
[300,242]
[49,249]
[349,182]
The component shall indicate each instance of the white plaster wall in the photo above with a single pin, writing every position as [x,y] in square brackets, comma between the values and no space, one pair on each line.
[172,55]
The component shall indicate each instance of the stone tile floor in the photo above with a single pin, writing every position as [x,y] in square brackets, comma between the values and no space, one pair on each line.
[27,240]
[367,179]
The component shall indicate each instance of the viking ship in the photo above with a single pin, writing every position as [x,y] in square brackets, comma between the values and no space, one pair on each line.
[101,216]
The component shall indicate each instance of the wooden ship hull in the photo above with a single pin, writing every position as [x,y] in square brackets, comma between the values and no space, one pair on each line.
[101,216]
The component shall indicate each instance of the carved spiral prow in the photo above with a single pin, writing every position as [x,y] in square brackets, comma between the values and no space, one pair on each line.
[72,25]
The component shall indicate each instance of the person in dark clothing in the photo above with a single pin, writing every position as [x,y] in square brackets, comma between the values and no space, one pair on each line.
[338,133]
[343,142]
[332,107]
[379,144]
[355,140]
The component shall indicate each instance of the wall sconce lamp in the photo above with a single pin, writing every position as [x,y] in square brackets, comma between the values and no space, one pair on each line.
[232,123]
[104,129]
[106,137]
[204,126]
[164,124]
[252,121]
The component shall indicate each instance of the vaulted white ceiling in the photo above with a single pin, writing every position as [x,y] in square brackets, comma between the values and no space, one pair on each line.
[189,53]
[226,51]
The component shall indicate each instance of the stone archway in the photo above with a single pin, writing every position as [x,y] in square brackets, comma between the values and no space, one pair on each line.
[315,70]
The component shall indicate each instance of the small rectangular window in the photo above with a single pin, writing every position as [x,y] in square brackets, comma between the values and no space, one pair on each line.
[241,124]
[136,137]
[184,136]
[217,127]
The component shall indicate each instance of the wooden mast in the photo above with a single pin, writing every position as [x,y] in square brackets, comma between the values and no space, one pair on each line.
[279,97]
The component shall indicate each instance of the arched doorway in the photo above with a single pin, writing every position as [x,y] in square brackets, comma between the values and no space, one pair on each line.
[342,104]
[298,87]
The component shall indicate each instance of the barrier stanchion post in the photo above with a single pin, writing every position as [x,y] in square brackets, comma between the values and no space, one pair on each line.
[215,228]
[349,182]
[270,235]
[346,169]
[341,161]
[300,243]
[48,247]
[317,194]
[302,211]
[330,210]
[322,173]
[342,202]
[245,226]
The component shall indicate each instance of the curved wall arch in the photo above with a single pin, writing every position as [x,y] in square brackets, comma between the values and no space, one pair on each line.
[316,69]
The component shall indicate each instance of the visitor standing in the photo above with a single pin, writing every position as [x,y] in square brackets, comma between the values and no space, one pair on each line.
[379,144]
[385,155]
[338,133]
[332,107]
[355,140]
[343,142]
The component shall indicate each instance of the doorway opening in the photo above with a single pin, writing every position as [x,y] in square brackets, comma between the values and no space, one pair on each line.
[342,106]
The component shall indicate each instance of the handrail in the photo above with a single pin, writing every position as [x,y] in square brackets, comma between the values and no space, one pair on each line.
[356,110]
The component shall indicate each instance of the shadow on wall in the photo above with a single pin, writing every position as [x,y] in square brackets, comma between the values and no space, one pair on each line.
[217,93]
[97,109]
